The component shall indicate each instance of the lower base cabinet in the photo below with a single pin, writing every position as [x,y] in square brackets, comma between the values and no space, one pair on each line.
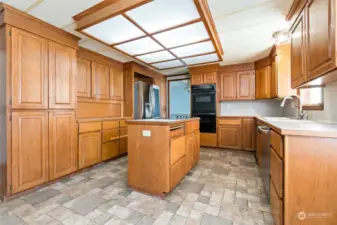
[29,149]
[192,149]
[110,150]
[236,133]
[90,151]
[123,145]
[208,139]
[62,144]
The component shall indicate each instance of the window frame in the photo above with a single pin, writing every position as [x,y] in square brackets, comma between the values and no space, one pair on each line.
[316,107]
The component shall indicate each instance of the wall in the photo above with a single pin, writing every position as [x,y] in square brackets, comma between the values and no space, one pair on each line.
[268,107]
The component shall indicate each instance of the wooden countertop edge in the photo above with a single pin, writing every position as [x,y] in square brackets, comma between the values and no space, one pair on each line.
[219,117]
[102,119]
[163,123]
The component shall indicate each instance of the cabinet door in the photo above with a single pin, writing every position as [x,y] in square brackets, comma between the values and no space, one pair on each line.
[274,78]
[197,79]
[210,78]
[263,82]
[90,151]
[110,150]
[29,70]
[100,81]
[227,86]
[62,144]
[190,151]
[246,85]
[83,79]
[320,38]
[116,84]
[62,72]
[230,136]
[298,64]
[29,150]
[248,134]
[123,145]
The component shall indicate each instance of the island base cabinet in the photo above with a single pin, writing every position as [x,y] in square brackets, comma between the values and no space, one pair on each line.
[110,150]
[29,149]
[178,171]
[62,144]
[89,149]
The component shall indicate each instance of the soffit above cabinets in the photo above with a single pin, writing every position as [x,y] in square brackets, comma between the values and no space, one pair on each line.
[162,34]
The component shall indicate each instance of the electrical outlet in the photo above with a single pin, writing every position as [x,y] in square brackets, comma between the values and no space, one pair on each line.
[146,133]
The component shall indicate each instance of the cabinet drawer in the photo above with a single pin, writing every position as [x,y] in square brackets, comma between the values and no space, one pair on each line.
[191,126]
[177,131]
[178,171]
[276,206]
[122,123]
[110,135]
[123,132]
[89,127]
[110,124]
[110,150]
[229,122]
[178,149]
[276,141]
[276,172]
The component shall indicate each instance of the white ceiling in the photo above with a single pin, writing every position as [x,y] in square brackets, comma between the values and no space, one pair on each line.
[245,27]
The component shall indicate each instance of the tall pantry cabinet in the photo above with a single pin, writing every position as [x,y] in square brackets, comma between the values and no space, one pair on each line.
[38,83]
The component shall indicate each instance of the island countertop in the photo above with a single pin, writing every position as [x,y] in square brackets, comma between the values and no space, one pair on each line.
[161,121]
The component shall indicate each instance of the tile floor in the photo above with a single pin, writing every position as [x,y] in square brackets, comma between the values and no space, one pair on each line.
[223,189]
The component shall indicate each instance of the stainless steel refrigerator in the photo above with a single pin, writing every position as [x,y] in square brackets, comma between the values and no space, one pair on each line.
[146,100]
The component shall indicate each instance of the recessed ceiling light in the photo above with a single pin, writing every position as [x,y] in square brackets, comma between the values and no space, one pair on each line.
[156,57]
[183,35]
[169,64]
[114,30]
[140,46]
[194,49]
[201,59]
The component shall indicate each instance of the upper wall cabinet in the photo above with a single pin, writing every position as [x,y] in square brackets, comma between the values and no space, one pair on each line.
[263,84]
[29,70]
[116,84]
[227,86]
[313,44]
[204,74]
[245,85]
[100,81]
[83,78]
[62,71]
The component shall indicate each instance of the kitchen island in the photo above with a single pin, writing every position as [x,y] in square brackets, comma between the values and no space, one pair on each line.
[161,152]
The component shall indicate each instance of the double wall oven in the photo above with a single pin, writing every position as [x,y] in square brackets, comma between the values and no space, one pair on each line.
[204,106]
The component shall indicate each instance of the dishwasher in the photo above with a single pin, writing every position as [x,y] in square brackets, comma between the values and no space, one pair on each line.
[263,155]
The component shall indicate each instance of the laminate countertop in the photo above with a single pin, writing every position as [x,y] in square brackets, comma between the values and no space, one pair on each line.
[161,121]
[289,126]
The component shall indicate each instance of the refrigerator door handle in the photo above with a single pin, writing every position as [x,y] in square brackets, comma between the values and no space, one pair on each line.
[141,102]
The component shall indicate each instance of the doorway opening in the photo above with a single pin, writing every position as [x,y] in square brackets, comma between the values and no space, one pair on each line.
[179,99]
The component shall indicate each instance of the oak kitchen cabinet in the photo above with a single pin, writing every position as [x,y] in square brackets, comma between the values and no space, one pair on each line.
[228,86]
[313,44]
[236,133]
[90,151]
[192,144]
[100,81]
[204,78]
[83,81]
[40,98]
[29,149]
[29,70]
[116,84]
[230,133]
[263,82]
[62,72]
[62,143]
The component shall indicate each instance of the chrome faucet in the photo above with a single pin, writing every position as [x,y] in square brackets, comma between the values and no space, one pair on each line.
[301,114]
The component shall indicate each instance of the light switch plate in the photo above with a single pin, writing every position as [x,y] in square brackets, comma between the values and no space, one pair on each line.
[146,133]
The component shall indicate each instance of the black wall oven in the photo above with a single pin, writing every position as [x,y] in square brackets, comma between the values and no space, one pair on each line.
[204,106]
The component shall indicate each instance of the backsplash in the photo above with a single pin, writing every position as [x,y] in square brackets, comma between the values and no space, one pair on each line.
[267,107]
